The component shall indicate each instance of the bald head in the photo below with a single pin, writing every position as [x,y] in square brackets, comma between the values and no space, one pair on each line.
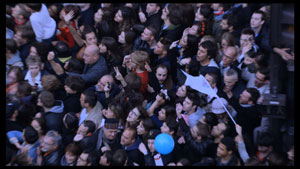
[91,54]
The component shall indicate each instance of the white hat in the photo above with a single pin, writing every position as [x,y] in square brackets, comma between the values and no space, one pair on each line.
[217,107]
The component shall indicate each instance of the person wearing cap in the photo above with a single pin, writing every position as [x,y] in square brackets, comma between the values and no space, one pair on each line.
[107,137]
[218,109]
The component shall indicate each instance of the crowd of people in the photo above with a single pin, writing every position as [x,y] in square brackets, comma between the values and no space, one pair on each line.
[93,84]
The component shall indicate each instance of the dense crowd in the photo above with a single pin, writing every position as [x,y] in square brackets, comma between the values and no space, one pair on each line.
[92,84]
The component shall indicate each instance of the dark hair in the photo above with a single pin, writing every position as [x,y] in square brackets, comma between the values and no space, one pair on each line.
[203,130]
[26,33]
[229,143]
[90,98]
[231,20]
[152,29]
[47,98]
[35,6]
[11,45]
[106,25]
[214,75]
[92,156]
[42,49]
[133,81]
[248,31]
[74,66]
[119,158]
[109,156]
[192,46]
[265,139]
[175,14]
[166,42]
[24,88]
[112,47]
[26,112]
[30,135]
[172,124]
[211,119]
[18,71]
[262,60]
[86,30]
[265,71]
[170,110]
[211,47]
[42,122]
[194,97]
[206,11]
[71,121]
[62,49]
[129,19]
[74,148]
[188,14]
[75,83]
[254,94]
[263,15]
[90,125]
[148,123]
[51,83]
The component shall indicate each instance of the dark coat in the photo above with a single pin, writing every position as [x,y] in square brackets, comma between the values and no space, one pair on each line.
[52,159]
[134,154]
[173,32]
[72,103]
[54,117]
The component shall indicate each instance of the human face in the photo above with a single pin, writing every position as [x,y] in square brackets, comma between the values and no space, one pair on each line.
[164,128]
[256,20]
[91,39]
[47,144]
[228,57]
[98,15]
[210,80]
[108,113]
[224,25]
[151,8]
[102,48]
[199,16]
[183,40]
[146,35]
[11,77]
[140,129]
[70,157]
[162,114]
[82,130]
[16,12]
[218,129]
[101,83]
[82,160]
[36,126]
[201,54]
[34,69]
[161,75]
[215,6]
[33,51]
[126,138]
[110,134]
[82,101]
[88,57]
[19,39]
[246,40]
[229,81]
[224,45]
[165,13]
[118,17]
[158,49]
[150,144]
[103,160]
[244,97]
[181,91]
[259,80]
[121,38]
[222,151]
[133,115]
[187,105]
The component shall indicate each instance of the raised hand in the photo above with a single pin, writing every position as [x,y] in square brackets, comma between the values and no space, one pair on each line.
[118,74]
[67,17]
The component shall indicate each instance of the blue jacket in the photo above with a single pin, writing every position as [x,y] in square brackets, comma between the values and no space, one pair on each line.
[134,154]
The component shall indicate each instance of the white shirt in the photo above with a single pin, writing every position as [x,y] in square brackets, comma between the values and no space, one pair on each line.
[42,24]
[37,80]
[83,116]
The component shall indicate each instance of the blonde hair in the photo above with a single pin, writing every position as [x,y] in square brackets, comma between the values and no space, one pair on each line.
[140,57]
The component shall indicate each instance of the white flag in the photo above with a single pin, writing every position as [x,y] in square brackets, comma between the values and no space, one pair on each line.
[199,83]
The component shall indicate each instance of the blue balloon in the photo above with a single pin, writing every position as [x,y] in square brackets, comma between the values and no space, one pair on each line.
[164,143]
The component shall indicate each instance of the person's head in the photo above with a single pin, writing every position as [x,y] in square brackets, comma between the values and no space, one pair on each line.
[88,99]
[220,6]
[136,114]
[30,135]
[70,121]
[89,35]
[104,80]
[149,33]
[210,119]
[41,49]
[206,51]
[249,96]
[74,84]
[11,46]
[39,124]
[110,128]
[265,142]
[98,15]
[91,54]
[182,91]
[87,158]
[50,83]
[14,75]
[51,141]
[191,102]
[152,8]
[139,59]
[106,158]
[119,158]
[72,152]
[20,13]
[133,81]
[162,46]
[200,132]
[228,22]
[205,12]
[170,126]
[128,136]
[229,56]
[166,111]
[257,19]
[22,159]
[247,37]
[261,60]
[217,108]
[24,89]
[161,73]
[212,78]
[172,13]
[218,130]
[127,37]
[34,64]
[33,7]
[199,29]
[145,125]
[86,128]
[230,78]
[227,39]
[226,147]
[65,10]
[73,65]
[46,99]
[114,110]
[262,77]
[124,14]
[23,35]
[150,139]
[108,46]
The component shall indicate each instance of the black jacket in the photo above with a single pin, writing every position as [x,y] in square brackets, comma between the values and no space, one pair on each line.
[72,103]
[52,159]
[54,117]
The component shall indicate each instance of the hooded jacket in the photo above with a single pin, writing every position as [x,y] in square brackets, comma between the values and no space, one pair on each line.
[134,154]
[54,117]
